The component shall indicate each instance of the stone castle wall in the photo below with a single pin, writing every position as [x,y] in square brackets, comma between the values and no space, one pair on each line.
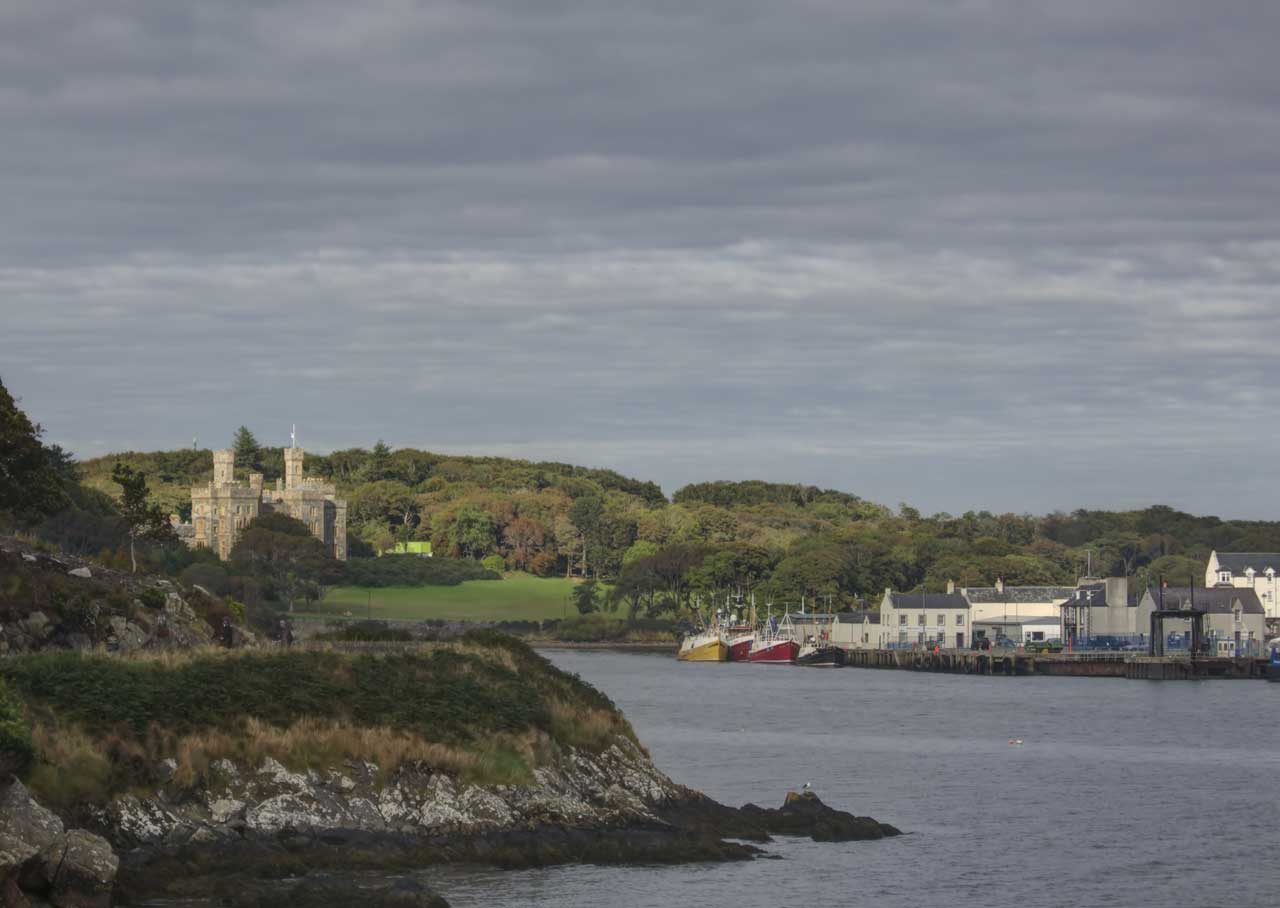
[221,509]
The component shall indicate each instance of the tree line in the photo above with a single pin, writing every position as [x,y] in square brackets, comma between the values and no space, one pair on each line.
[709,542]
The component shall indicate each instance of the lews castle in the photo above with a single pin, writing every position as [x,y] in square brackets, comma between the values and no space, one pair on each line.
[222,508]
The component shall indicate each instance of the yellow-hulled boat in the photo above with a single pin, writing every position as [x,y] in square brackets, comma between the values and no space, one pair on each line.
[704,646]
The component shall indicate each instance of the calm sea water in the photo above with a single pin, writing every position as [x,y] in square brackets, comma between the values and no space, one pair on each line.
[1124,793]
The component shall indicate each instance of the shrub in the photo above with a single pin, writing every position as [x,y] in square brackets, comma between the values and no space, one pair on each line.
[493,563]
[152,598]
[237,610]
[485,708]
[366,631]
[213,577]
[411,570]
[590,629]
[15,736]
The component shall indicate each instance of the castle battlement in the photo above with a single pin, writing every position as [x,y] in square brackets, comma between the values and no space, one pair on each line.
[222,508]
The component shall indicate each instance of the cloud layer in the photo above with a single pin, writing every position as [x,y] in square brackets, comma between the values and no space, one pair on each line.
[962,254]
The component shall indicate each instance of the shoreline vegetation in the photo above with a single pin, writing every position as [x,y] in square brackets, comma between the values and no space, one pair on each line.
[212,771]
[585,630]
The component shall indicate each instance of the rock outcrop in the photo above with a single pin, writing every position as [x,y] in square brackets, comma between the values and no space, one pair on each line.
[98,607]
[41,859]
[614,788]
[803,814]
[612,807]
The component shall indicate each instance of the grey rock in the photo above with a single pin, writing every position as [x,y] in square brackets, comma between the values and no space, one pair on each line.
[81,572]
[14,852]
[37,625]
[22,818]
[129,636]
[138,822]
[80,870]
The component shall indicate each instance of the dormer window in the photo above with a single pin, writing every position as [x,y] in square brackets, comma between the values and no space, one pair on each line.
[1224,576]
[1271,574]
[1249,572]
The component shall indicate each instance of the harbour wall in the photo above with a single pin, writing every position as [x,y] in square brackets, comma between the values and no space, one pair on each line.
[1090,665]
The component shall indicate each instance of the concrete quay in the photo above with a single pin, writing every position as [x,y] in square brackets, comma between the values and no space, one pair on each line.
[1011,663]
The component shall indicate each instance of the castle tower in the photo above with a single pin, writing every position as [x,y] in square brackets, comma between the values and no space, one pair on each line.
[224,467]
[293,468]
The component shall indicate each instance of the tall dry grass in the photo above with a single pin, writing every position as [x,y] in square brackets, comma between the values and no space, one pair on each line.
[589,729]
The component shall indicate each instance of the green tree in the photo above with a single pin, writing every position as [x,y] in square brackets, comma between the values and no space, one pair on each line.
[387,502]
[282,550]
[30,485]
[248,452]
[641,548]
[585,598]
[473,534]
[143,518]
[1175,570]
[378,465]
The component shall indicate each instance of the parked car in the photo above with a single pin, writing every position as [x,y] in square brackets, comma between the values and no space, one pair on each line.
[981,643]
[1044,646]
[1003,642]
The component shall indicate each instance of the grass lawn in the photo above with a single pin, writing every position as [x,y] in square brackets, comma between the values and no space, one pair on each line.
[517,597]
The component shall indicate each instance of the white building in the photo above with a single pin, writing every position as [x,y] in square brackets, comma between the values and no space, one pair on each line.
[1019,630]
[924,620]
[1247,570]
[856,630]
[1012,603]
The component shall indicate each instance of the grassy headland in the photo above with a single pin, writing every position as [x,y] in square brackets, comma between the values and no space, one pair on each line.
[484,707]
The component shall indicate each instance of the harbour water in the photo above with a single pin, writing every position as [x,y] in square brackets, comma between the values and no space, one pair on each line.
[1123,793]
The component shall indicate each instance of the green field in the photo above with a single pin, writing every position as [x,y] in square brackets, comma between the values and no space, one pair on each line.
[517,597]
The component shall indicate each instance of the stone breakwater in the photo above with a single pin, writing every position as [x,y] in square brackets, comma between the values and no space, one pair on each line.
[240,833]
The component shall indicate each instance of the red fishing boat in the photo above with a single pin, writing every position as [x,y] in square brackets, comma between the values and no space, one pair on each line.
[774,644]
[739,639]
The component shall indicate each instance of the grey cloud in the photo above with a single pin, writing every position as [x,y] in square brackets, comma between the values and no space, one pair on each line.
[963,254]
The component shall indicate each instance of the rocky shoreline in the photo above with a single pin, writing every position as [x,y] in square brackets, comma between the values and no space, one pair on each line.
[254,828]
[184,793]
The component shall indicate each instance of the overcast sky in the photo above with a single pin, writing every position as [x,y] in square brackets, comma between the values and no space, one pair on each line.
[1010,255]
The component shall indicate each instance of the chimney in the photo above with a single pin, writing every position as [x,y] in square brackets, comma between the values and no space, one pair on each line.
[1117,591]
[951,586]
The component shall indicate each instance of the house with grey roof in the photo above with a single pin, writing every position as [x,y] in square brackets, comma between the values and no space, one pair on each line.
[1234,623]
[1101,609]
[858,629]
[924,620]
[1012,603]
[1248,570]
